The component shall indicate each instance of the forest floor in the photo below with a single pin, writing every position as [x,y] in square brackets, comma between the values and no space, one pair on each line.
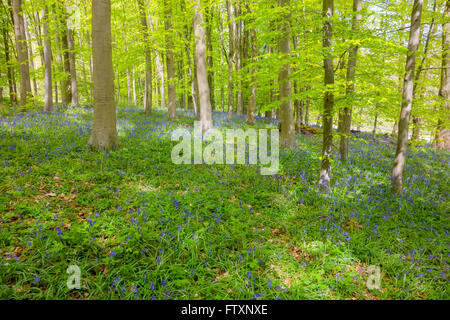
[140,227]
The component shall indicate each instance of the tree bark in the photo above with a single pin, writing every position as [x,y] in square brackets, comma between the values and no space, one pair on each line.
[252,103]
[135,102]
[238,53]
[209,57]
[48,103]
[287,116]
[230,59]
[171,88]
[345,114]
[327,121]
[443,131]
[206,122]
[148,60]
[67,97]
[72,65]
[417,121]
[160,69]
[104,132]
[30,55]
[12,94]
[22,52]
[222,90]
[407,99]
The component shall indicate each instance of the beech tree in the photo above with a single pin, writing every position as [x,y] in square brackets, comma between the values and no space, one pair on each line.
[250,119]
[104,131]
[345,114]
[148,60]
[442,139]
[206,122]
[22,52]
[48,105]
[327,120]
[287,117]
[171,89]
[407,99]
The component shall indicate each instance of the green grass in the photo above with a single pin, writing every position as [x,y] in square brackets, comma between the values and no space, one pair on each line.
[140,227]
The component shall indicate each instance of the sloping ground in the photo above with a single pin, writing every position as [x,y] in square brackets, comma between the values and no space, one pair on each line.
[140,227]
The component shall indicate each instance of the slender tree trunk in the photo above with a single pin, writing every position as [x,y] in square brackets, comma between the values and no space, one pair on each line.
[91,71]
[118,83]
[67,97]
[135,102]
[202,76]
[148,61]
[222,90]
[128,87]
[30,55]
[56,88]
[443,131]
[252,103]
[327,122]
[287,116]
[374,131]
[160,70]
[307,104]
[298,105]
[407,99]
[171,90]
[72,65]
[12,95]
[22,52]
[208,21]
[85,82]
[417,121]
[104,132]
[192,76]
[48,104]
[345,114]
[238,53]
[38,34]
[230,59]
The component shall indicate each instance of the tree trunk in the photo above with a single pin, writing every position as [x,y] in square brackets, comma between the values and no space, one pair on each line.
[307,104]
[135,102]
[22,52]
[443,131]
[65,55]
[407,99]
[417,121]
[206,122]
[327,122]
[160,70]
[298,104]
[208,19]
[230,59]
[104,132]
[128,87]
[238,53]
[222,90]
[171,90]
[12,94]
[252,103]
[118,82]
[192,76]
[345,114]
[374,131]
[287,116]
[48,104]
[72,65]
[30,55]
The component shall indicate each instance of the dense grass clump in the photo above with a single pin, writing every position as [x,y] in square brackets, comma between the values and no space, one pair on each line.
[140,227]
